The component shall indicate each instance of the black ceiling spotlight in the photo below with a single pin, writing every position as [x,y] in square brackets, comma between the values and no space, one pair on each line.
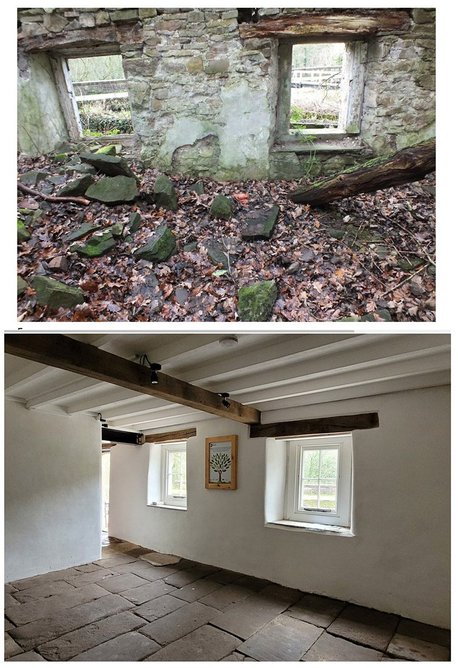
[102,420]
[154,366]
[224,396]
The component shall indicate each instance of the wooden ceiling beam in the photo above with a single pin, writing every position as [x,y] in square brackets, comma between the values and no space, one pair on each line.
[171,436]
[328,425]
[69,354]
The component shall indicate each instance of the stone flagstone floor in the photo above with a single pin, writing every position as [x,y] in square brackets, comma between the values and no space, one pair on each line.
[121,608]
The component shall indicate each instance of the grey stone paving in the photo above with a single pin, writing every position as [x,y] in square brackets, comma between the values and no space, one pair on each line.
[121,608]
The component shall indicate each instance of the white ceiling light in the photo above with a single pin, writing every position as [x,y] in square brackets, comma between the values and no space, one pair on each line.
[228,341]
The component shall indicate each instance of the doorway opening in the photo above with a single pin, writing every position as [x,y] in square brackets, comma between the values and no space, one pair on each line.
[105,509]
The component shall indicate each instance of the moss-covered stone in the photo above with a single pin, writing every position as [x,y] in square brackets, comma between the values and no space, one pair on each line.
[76,187]
[80,232]
[23,233]
[111,165]
[109,149]
[382,313]
[96,246]
[261,225]
[21,285]
[33,177]
[256,301]
[113,190]
[117,229]
[222,207]
[164,193]
[134,223]
[160,247]
[55,294]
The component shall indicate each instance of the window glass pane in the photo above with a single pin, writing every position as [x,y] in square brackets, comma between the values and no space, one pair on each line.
[319,479]
[176,474]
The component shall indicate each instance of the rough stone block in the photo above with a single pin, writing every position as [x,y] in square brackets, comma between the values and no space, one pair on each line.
[283,639]
[55,294]
[256,301]
[97,245]
[124,15]
[222,207]
[203,644]
[160,246]
[113,189]
[111,165]
[128,647]
[179,623]
[76,187]
[366,626]
[164,193]
[69,645]
[330,648]
[260,225]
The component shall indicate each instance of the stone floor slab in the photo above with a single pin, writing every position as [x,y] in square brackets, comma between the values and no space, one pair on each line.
[225,577]
[146,570]
[27,583]
[28,612]
[204,644]
[147,592]
[414,649]
[113,561]
[250,582]
[119,583]
[11,646]
[317,610]
[407,627]
[36,633]
[226,596]
[246,617]
[128,647]
[160,559]
[331,648]
[43,591]
[182,578]
[282,639]
[27,656]
[365,626]
[196,590]
[90,577]
[70,644]
[88,568]
[159,607]
[179,623]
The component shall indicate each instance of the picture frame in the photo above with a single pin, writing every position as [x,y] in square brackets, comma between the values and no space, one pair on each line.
[221,462]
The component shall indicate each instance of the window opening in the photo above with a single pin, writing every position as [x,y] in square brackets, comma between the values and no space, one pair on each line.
[174,474]
[99,90]
[316,87]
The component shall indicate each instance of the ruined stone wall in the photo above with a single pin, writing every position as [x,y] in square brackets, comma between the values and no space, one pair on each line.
[204,100]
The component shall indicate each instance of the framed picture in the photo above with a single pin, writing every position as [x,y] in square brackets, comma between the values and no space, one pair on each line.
[221,462]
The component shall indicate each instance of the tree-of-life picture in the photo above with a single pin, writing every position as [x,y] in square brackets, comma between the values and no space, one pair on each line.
[221,462]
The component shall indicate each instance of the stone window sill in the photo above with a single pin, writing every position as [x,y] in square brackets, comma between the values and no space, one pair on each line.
[323,529]
[336,143]
[167,507]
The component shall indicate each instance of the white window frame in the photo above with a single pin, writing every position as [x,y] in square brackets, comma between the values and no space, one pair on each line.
[293,511]
[166,499]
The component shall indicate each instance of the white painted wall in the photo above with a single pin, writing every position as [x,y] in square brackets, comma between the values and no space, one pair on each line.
[52,491]
[397,562]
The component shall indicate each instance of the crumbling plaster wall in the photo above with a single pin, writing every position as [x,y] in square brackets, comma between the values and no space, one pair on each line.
[204,101]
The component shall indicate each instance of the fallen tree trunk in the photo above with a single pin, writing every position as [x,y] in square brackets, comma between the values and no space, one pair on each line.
[409,164]
[50,198]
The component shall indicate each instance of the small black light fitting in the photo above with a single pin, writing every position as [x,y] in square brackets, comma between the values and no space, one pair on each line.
[224,396]
[154,366]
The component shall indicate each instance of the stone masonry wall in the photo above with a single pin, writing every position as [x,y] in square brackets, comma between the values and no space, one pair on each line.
[204,101]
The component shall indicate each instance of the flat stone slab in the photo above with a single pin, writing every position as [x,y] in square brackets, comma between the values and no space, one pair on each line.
[365,626]
[226,596]
[179,623]
[245,618]
[80,232]
[128,647]
[112,165]
[37,609]
[77,187]
[87,578]
[145,570]
[160,246]
[27,656]
[69,645]
[11,646]
[113,190]
[185,577]
[147,592]
[55,294]
[317,610]
[111,562]
[203,644]
[35,633]
[414,649]
[260,225]
[283,639]
[330,648]
[43,591]
[35,580]
[159,607]
[407,627]
[196,590]
[159,559]
[119,583]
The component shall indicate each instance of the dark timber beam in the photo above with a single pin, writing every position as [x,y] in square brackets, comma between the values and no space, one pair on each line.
[171,436]
[329,425]
[118,436]
[331,24]
[66,353]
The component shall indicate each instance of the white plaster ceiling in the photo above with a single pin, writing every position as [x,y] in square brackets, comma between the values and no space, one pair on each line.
[268,371]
